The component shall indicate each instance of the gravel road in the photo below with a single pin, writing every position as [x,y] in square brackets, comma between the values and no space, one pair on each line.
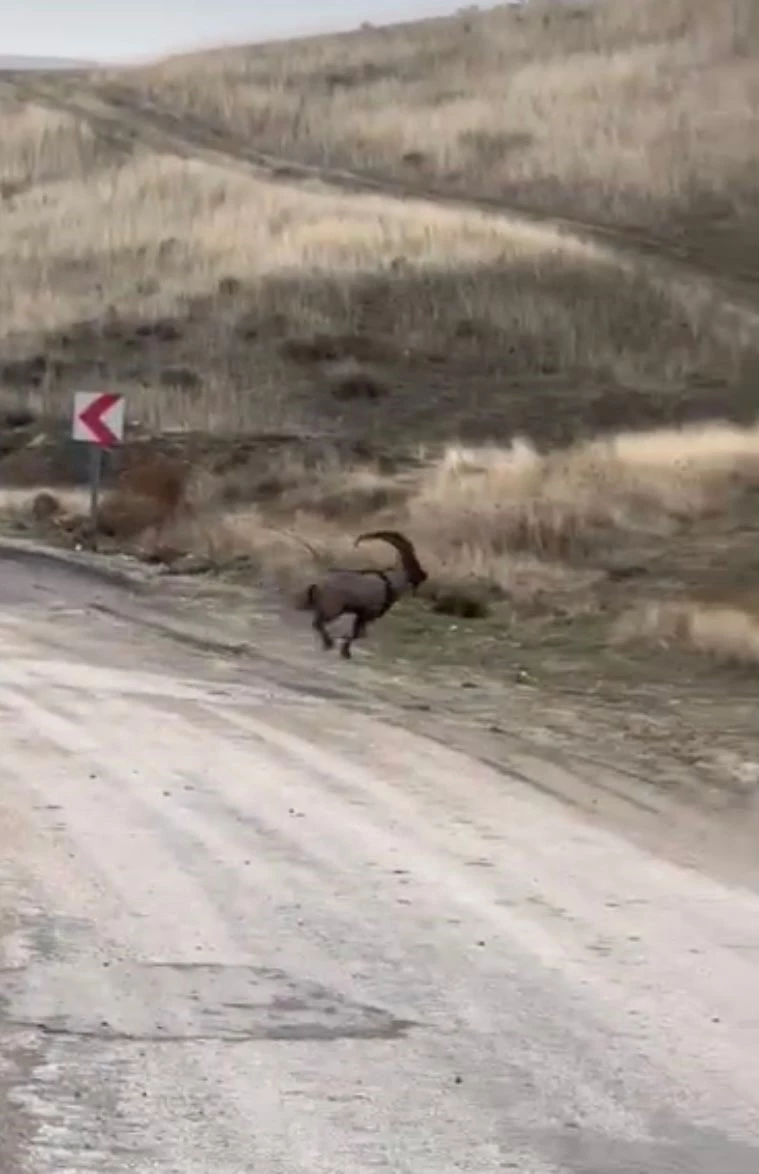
[243,929]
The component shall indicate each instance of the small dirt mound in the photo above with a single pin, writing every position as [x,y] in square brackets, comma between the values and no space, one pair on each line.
[466,603]
[351,380]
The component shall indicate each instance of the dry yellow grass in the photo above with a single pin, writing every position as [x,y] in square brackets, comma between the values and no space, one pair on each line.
[237,267]
[499,499]
[726,634]
[612,111]
[490,522]
[41,145]
[474,508]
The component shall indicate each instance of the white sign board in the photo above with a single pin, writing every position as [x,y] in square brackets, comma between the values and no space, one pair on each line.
[98,418]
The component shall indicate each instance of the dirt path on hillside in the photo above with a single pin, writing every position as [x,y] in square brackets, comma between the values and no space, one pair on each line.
[128,119]
[245,926]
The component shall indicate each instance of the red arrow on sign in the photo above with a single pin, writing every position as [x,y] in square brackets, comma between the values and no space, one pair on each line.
[92,418]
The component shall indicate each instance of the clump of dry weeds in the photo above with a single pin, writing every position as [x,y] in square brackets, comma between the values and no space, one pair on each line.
[573,500]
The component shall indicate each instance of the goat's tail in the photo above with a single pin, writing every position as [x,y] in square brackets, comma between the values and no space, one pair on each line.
[304,600]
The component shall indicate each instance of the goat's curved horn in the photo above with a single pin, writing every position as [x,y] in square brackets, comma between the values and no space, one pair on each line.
[402,544]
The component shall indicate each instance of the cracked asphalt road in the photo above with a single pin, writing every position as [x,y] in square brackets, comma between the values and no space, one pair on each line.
[246,929]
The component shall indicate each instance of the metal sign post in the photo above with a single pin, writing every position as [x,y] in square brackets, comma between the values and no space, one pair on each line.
[96,474]
[98,422]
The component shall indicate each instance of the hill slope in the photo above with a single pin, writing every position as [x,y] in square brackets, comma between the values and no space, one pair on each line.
[636,115]
[25,62]
[153,245]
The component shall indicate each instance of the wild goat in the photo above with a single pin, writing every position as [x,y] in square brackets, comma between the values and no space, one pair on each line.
[365,594]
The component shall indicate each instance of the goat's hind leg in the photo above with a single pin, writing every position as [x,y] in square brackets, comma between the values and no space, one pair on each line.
[319,626]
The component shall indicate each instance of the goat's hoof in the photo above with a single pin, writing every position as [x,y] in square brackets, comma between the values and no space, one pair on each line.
[345,652]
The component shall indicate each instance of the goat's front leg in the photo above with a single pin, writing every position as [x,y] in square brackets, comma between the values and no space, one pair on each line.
[359,630]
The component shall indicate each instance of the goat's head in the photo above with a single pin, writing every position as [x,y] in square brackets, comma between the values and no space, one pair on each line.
[415,572]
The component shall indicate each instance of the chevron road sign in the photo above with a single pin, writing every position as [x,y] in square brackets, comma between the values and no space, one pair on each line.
[99,417]
[98,422]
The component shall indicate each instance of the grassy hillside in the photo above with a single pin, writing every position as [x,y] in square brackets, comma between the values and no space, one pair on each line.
[220,298]
[147,250]
[559,239]
[637,114]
